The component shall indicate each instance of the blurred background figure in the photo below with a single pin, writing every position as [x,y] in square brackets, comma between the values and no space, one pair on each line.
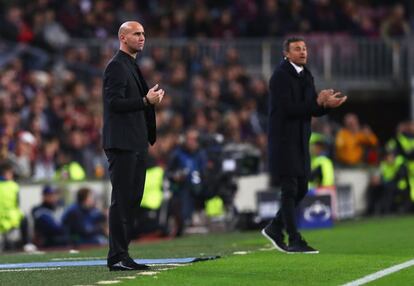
[45,165]
[395,26]
[68,169]
[186,171]
[149,220]
[84,222]
[14,228]
[389,191]
[23,155]
[48,228]
[402,145]
[354,143]
[322,168]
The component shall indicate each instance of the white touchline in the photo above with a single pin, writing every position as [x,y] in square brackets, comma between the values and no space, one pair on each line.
[108,282]
[170,264]
[75,258]
[381,273]
[30,269]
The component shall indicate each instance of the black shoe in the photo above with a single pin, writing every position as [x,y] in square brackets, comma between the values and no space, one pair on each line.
[276,239]
[127,264]
[301,246]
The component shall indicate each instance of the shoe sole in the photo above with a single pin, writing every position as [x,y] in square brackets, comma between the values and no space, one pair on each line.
[274,243]
[121,269]
[126,269]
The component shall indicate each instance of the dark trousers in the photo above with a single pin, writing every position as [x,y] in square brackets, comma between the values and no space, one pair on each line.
[127,171]
[294,190]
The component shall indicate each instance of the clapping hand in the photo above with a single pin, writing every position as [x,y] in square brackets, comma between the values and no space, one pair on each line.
[330,99]
[155,96]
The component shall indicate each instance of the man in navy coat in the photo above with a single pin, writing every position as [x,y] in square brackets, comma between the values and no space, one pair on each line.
[292,103]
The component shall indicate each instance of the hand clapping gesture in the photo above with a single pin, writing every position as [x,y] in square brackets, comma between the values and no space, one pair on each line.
[330,99]
[155,96]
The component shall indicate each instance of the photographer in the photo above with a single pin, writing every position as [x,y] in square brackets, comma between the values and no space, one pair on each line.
[186,171]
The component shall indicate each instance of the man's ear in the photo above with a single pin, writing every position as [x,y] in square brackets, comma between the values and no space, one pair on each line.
[121,38]
[285,55]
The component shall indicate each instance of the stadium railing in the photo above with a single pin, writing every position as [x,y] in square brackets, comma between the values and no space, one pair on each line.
[336,60]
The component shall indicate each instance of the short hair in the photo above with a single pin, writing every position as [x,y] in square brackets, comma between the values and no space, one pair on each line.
[5,166]
[290,40]
[83,194]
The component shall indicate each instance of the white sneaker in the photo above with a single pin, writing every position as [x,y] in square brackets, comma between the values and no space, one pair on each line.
[29,247]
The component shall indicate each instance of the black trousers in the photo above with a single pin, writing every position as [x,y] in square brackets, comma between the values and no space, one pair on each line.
[127,171]
[294,190]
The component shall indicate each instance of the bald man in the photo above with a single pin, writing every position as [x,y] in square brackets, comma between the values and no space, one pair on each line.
[129,125]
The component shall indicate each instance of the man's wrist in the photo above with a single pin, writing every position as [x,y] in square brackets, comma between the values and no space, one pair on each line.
[146,101]
[320,103]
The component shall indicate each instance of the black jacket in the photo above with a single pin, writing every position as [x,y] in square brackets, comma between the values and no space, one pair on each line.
[292,103]
[128,123]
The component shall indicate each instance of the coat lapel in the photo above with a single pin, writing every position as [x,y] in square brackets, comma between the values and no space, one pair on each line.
[142,80]
[287,66]
[137,79]
[134,70]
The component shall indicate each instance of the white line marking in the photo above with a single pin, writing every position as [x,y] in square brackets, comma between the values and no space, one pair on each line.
[148,273]
[30,269]
[170,264]
[108,282]
[126,277]
[76,258]
[164,269]
[381,273]
[241,252]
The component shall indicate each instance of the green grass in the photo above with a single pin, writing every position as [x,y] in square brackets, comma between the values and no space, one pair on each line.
[349,251]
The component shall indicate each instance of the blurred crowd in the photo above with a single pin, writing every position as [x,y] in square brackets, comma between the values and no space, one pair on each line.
[51,23]
[390,165]
[50,117]
[51,120]
[51,106]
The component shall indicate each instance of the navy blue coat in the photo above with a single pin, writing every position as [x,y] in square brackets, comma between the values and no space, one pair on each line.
[292,103]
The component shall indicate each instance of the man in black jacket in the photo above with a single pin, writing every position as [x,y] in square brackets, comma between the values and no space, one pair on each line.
[129,124]
[292,102]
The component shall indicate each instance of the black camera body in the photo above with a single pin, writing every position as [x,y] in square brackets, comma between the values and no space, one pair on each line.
[227,161]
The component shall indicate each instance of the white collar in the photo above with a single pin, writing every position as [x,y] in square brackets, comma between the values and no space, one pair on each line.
[297,68]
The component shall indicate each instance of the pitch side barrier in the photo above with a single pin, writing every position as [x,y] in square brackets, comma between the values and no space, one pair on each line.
[351,185]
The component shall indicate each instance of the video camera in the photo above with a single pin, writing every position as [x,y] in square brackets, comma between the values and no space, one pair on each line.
[240,159]
[226,163]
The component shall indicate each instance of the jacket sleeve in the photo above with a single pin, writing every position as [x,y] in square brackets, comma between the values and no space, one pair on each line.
[115,84]
[281,91]
[318,110]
